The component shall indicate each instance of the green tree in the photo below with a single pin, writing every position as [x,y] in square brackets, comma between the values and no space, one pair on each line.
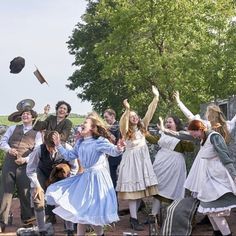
[126,46]
[101,92]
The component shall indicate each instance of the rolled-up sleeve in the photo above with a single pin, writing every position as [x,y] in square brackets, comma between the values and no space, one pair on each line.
[32,165]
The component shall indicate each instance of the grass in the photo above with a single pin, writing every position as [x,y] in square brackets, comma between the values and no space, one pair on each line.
[75,119]
[4,121]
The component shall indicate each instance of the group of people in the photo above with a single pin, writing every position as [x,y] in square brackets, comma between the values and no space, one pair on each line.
[30,158]
[88,194]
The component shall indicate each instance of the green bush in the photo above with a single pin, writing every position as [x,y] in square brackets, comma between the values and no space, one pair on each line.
[2,154]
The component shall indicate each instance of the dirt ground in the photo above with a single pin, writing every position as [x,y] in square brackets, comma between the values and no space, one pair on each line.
[120,227]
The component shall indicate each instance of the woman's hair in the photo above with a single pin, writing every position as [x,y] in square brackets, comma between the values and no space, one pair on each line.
[99,128]
[197,125]
[131,131]
[218,122]
[96,116]
[93,114]
[63,103]
[178,122]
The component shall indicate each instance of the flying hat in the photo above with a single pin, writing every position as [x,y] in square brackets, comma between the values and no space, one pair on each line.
[22,106]
[26,103]
[39,76]
[16,65]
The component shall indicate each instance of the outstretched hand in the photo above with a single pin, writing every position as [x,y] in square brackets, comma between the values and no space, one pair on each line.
[176,96]
[161,125]
[46,109]
[155,91]
[121,145]
[126,104]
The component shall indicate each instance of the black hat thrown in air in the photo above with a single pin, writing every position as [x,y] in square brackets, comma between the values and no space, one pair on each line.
[16,65]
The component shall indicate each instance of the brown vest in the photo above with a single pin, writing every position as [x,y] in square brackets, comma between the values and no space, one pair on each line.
[23,143]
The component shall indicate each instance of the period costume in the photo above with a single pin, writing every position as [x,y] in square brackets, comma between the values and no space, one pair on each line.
[23,139]
[41,164]
[169,165]
[63,127]
[114,162]
[50,124]
[136,177]
[38,170]
[88,197]
[211,178]
[230,123]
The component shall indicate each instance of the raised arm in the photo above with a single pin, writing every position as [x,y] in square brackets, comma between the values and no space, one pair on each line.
[182,107]
[124,120]
[40,123]
[182,135]
[152,107]
[67,154]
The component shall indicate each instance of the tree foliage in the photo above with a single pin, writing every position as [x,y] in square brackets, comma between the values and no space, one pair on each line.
[125,46]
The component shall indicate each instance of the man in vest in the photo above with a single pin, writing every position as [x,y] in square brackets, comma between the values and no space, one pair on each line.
[18,142]
[60,123]
[110,117]
[42,161]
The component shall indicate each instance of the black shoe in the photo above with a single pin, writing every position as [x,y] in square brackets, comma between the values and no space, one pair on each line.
[51,219]
[43,233]
[75,227]
[70,232]
[204,221]
[135,225]
[123,212]
[2,227]
[217,233]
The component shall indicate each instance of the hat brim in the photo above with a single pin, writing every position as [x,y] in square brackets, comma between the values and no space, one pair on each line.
[24,104]
[15,116]
[40,77]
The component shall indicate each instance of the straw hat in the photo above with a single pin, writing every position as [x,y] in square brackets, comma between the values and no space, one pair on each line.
[22,106]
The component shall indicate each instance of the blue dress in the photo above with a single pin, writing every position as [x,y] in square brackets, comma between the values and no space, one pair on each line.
[87,198]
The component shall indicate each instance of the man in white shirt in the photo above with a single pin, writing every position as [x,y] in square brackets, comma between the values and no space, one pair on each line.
[18,142]
[41,163]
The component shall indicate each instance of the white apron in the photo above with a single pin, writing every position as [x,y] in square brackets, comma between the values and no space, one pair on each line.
[170,168]
[208,178]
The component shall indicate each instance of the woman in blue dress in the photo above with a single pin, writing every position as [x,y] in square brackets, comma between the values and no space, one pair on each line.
[89,197]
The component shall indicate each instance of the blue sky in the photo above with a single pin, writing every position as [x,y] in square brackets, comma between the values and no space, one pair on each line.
[38,31]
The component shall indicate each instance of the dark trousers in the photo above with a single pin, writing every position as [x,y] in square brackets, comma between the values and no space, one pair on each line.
[14,178]
[113,173]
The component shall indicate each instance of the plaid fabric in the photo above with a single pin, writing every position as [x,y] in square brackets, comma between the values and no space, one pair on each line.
[179,217]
